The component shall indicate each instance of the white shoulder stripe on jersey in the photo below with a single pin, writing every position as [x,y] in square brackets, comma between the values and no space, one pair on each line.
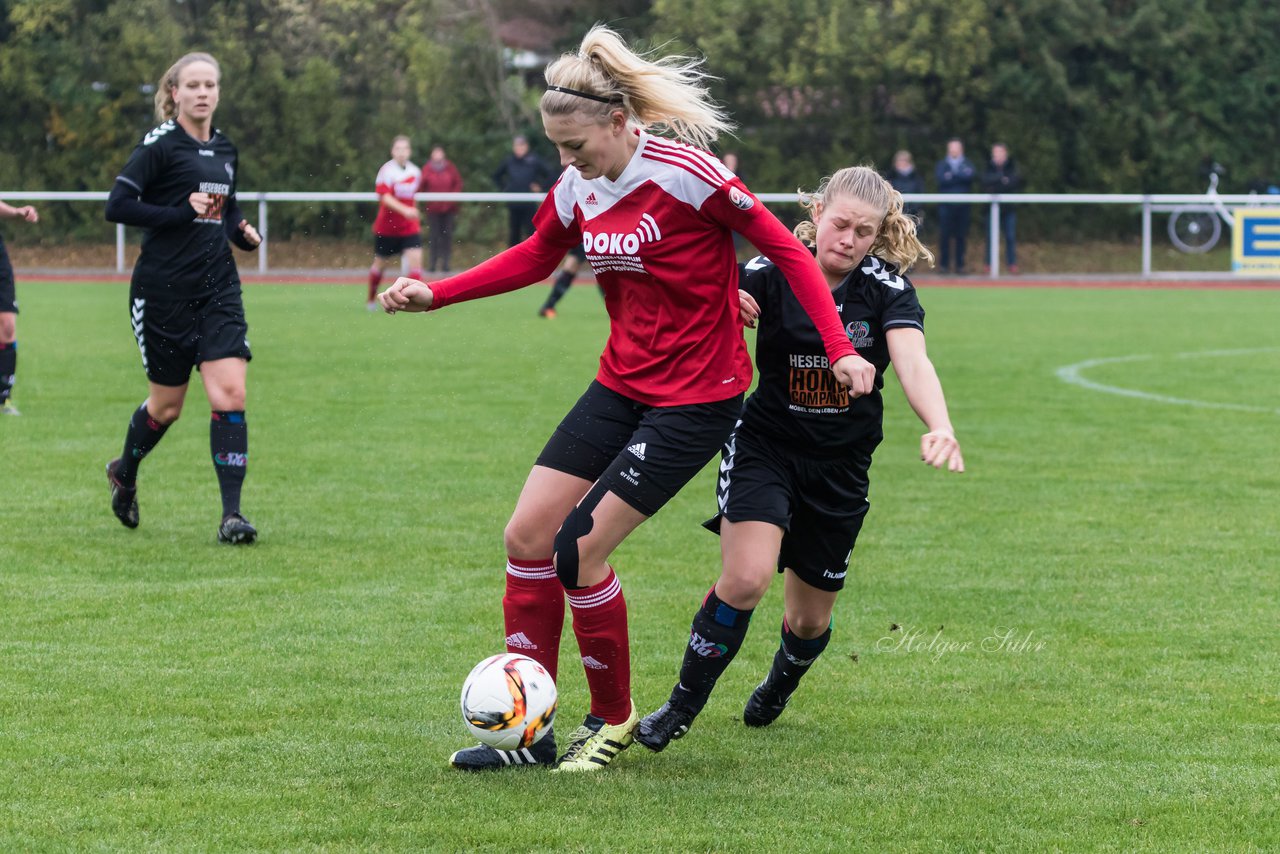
[130,183]
[704,162]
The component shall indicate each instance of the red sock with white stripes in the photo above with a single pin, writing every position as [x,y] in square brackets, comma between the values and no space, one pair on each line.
[375,279]
[600,624]
[415,273]
[533,611]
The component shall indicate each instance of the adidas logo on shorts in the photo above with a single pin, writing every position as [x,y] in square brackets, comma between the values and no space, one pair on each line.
[638,450]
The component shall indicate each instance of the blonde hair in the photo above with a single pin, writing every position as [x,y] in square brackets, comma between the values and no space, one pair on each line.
[166,108]
[667,92]
[896,240]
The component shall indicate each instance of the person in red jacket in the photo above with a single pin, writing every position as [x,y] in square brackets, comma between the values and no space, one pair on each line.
[440,176]
[397,230]
[656,218]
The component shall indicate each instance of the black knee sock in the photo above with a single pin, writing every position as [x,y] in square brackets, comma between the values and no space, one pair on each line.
[562,283]
[715,637]
[229,444]
[144,434]
[793,659]
[8,369]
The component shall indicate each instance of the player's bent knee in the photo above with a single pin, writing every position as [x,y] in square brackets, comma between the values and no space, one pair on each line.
[744,590]
[525,541]
[577,525]
[808,625]
[165,415]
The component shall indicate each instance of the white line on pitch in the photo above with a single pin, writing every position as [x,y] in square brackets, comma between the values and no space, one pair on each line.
[1074,375]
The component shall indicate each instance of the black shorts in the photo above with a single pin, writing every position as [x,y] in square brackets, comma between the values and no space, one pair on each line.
[385,246]
[819,503]
[8,295]
[176,335]
[578,252]
[643,454]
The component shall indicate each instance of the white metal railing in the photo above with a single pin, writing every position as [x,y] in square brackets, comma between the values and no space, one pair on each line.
[1150,203]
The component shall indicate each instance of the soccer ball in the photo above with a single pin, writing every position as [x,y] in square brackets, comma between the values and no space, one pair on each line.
[509,701]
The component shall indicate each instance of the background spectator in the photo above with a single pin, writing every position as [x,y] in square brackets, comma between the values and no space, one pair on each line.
[440,176]
[904,178]
[521,172]
[955,174]
[1002,176]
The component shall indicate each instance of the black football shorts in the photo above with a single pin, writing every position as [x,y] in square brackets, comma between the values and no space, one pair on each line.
[819,503]
[8,295]
[643,454]
[385,246]
[176,335]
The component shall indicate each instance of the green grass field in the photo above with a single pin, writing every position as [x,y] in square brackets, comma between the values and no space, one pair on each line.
[158,691]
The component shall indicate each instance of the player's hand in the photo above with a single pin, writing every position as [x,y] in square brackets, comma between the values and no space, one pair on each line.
[856,373]
[250,233]
[28,213]
[406,295]
[412,213]
[939,448]
[748,309]
[200,203]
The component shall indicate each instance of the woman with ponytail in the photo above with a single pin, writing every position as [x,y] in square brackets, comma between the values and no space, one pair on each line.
[184,301]
[655,217]
[792,490]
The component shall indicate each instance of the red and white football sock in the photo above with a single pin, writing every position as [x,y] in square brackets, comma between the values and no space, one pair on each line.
[533,611]
[600,624]
[375,279]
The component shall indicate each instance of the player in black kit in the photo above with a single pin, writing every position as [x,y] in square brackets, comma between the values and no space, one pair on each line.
[184,301]
[792,489]
[9,312]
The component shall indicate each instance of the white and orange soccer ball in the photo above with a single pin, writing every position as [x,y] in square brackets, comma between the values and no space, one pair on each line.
[509,701]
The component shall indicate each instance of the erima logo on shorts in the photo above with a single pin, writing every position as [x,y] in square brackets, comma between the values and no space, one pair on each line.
[631,476]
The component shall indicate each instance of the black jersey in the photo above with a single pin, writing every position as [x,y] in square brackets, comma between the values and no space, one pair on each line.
[798,400]
[183,255]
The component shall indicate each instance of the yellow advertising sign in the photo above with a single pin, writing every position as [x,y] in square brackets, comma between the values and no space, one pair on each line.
[1255,242]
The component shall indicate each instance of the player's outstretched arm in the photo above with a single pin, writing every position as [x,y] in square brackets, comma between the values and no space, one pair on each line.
[406,294]
[939,446]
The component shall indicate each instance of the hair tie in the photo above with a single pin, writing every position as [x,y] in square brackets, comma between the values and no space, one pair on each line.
[602,99]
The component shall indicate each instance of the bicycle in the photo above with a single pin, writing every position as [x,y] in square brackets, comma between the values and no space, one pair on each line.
[1196,229]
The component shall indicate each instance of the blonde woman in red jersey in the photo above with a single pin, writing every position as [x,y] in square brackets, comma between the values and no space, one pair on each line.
[655,217]
[397,230]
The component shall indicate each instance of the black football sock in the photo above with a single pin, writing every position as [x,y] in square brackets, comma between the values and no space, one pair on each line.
[229,445]
[144,434]
[715,637]
[8,369]
[562,283]
[793,659]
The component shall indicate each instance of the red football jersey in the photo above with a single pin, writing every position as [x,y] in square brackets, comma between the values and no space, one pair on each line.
[402,183]
[659,240]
